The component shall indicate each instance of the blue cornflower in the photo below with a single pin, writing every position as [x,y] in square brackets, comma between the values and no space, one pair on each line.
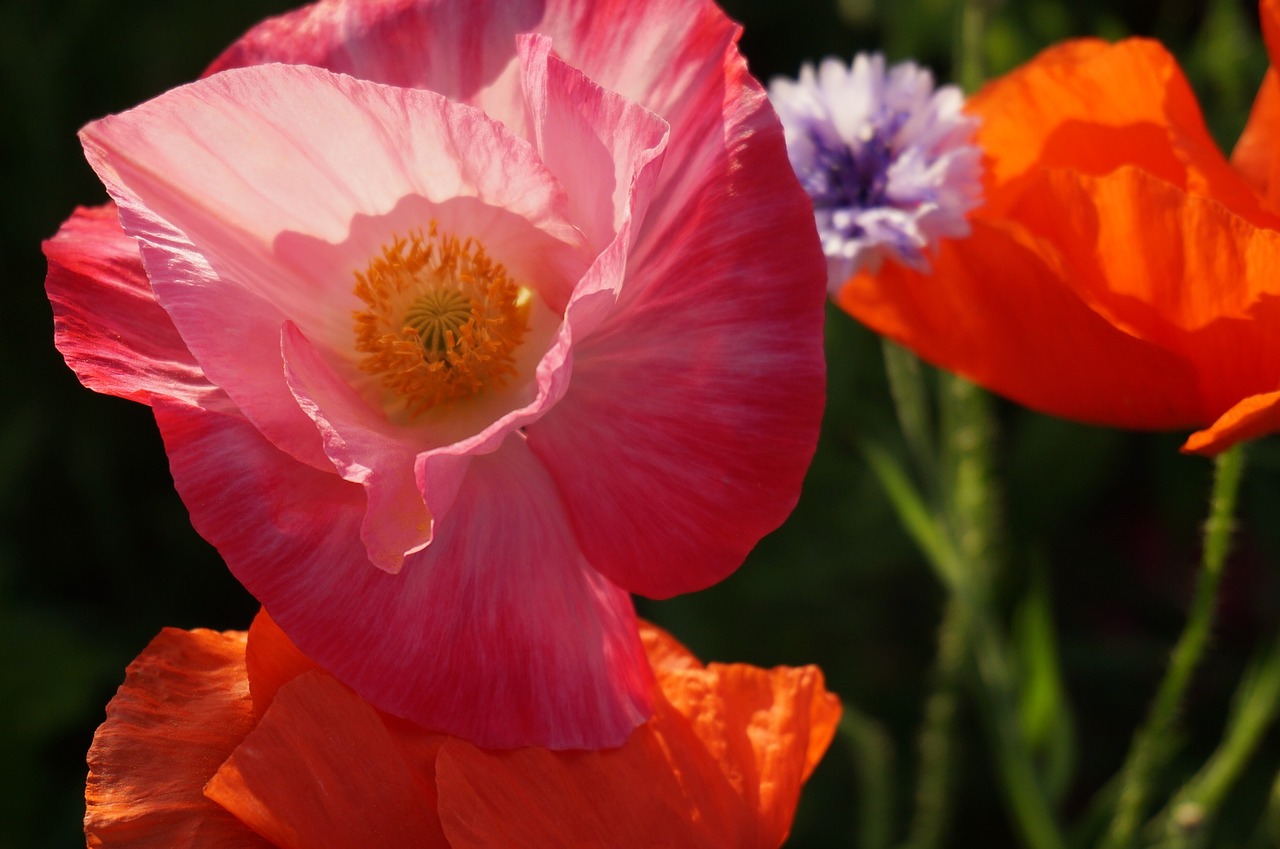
[886,158]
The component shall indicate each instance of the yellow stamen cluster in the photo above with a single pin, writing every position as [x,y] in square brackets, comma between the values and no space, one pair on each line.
[442,320]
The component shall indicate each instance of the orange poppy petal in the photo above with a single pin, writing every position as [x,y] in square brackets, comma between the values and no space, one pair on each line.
[322,771]
[664,651]
[1094,107]
[183,707]
[1269,13]
[1257,152]
[632,797]
[719,764]
[766,728]
[1177,270]
[1255,416]
[271,660]
[998,311]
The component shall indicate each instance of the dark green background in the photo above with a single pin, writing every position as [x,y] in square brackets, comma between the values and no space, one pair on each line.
[96,552]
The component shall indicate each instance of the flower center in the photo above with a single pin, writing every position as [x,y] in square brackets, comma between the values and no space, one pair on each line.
[442,320]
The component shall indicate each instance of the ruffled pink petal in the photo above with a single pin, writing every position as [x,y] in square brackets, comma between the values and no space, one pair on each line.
[702,393]
[365,449]
[498,632]
[212,175]
[321,771]
[183,707]
[669,56]
[106,321]
[605,150]
[463,49]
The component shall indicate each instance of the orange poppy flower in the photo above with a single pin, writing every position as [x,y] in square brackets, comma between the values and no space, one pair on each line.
[234,740]
[1121,271]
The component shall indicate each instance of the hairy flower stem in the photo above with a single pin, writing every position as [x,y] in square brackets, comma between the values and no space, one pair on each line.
[959,536]
[874,760]
[935,778]
[1149,749]
[973,516]
[1254,710]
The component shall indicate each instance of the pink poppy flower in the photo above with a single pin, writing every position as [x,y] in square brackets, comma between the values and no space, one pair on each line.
[463,324]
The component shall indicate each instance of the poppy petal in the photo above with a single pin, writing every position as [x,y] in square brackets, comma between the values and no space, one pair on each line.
[320,770]
[1092,107]
[183,707]
[704,392]
[271,661]
[210,212]
[542,615]
[1179,271]
[459,48]
[996,311]
[766,728]
[652,791]
[1252,417]
[106,320]
[1255,154]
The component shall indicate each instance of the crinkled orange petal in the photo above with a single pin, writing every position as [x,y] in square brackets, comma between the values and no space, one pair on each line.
[1176,270]
[1093,107]
[998,310]
[183,707]
[766,728]
[1255,416]
[271,660]
[664,651]
[719,764]
[625,798]
[321,770]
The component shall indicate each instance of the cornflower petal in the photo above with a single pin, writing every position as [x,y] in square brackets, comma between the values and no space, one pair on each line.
[884,157]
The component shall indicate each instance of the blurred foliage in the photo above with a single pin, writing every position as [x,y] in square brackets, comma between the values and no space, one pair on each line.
[97,554]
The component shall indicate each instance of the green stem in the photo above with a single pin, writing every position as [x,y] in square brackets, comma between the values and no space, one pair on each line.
[1254,710]
[968,424]
[874,761]
[968,427]
[911,404]
[970,68]
[935,777]
[1149,750]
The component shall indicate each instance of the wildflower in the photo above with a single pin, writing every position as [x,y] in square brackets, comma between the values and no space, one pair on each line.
[218,739]
[1121,271]
[464,325]
[885,158]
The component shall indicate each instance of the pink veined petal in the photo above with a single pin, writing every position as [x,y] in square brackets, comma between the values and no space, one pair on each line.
[664,55]
[498,632]
[463,49]
[365,449]
[676,58]
[106,321]
[702,392]
[209,177]
[605,150]
[321,771]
